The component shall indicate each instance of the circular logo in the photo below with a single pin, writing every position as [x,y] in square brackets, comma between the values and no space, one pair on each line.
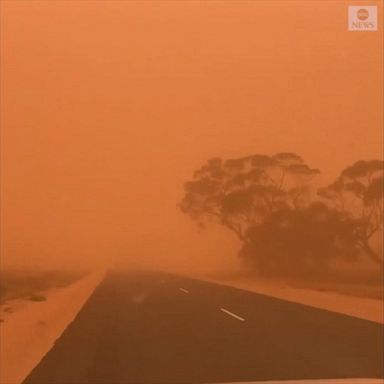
[362,14]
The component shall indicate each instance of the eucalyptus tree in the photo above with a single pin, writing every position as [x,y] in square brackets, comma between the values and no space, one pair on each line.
[302,242]
[241,193]
[358,194]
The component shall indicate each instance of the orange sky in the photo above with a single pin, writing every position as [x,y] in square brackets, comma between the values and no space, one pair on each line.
[109,106]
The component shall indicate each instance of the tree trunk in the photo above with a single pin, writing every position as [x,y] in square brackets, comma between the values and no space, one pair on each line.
[235,229]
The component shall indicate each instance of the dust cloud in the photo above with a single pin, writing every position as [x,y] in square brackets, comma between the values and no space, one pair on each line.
[109,107]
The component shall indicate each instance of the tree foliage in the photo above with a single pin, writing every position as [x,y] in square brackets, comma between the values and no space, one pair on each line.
[239,193]
[300,242]
[268,202]
[358,194]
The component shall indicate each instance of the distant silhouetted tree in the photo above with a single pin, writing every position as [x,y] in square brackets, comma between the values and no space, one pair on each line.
[299,242]
[241,193]
[358,194]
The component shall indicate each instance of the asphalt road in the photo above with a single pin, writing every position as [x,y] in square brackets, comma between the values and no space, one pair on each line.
[149,327]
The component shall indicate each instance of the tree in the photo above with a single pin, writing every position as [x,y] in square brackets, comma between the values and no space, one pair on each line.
[304,241]
[358,194]
[240,193]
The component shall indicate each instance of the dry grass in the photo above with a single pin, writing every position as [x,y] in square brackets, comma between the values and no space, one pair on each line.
[30,285]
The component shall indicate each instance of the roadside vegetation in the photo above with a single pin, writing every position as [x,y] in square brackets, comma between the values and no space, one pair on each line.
[31,285]
[289,227]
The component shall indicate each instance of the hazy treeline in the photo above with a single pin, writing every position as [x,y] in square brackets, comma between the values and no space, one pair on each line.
[287,226]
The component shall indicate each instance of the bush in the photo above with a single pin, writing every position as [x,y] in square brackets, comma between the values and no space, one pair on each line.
[300,242]
[36,297]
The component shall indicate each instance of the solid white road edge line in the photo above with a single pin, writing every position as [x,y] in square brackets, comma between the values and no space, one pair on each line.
[231,314]
[183,290]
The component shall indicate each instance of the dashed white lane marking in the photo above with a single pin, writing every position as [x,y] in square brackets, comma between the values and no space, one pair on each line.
[231,314]
[184,290]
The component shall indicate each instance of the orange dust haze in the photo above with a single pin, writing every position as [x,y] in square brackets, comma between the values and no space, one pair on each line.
[107,108]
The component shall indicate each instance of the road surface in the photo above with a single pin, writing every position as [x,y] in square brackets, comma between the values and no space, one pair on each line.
[150,327]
